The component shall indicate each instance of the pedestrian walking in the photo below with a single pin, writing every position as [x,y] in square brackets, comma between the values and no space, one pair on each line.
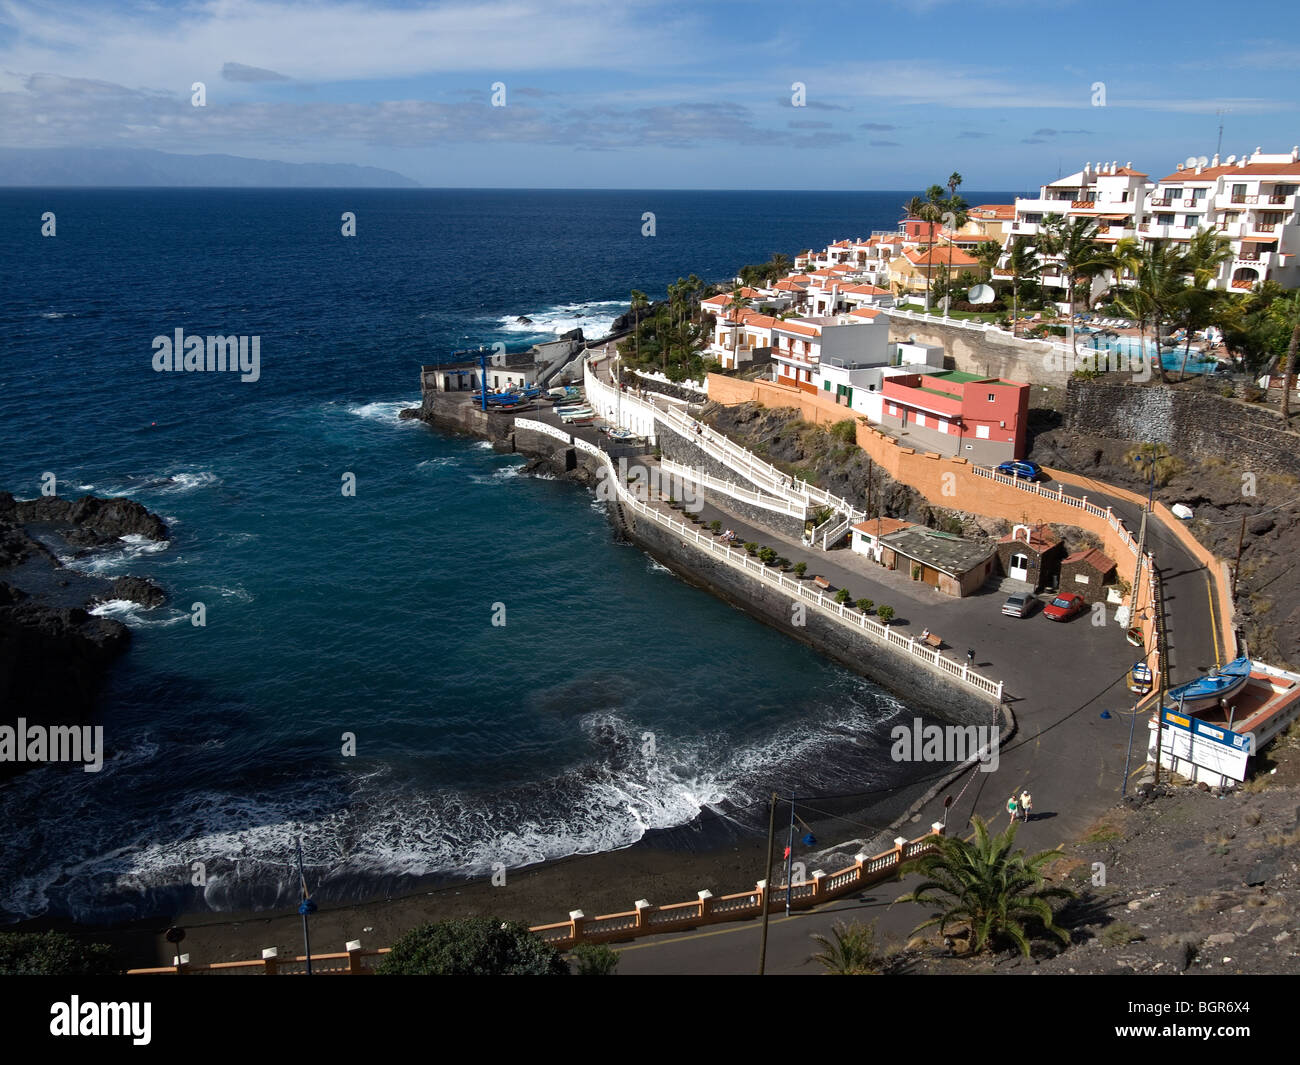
[1026,803]
[1012,807]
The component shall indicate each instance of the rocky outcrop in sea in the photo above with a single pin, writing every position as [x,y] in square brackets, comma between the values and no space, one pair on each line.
[54,653]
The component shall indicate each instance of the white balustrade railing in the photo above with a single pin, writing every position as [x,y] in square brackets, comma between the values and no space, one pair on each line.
[743,461]
[739,559]
[798,509]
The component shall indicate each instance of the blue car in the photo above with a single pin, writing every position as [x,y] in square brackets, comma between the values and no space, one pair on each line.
[1030,471]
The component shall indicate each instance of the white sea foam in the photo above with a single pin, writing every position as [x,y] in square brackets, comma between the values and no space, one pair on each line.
[386,411]
[133,547]
[178,483]
[128,611]
[382,826]
[594,318]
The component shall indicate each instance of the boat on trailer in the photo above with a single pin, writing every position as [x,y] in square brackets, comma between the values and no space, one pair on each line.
[1219,683]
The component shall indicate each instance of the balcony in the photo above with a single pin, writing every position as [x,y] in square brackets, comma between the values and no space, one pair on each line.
[1082,205]
[1243,198]
[1166,202]
[1281,199]
[1265,227]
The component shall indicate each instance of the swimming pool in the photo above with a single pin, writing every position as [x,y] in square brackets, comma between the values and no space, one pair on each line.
[1171,359]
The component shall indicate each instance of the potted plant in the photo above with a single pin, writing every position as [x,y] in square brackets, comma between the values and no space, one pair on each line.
[842,596]
[885,614]
[865,605]
[800,568]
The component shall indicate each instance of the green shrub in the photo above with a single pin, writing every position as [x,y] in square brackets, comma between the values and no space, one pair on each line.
[715,525]
[783,562]
[472,946]
[845,431]
[865,605]
[916,573]
[842,596]
[595,959]
[751,547]
[885,614]
[800,568]
[53,954]
[766,555]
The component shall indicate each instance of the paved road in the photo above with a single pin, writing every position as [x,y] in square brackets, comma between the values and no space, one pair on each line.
[1059,678]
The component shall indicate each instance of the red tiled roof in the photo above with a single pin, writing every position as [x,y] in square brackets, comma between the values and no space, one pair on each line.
[864,312]
[1210,173]
[937,256]
[795,326]
[882,526]
[1041,538]
[1094,558]
[789,285]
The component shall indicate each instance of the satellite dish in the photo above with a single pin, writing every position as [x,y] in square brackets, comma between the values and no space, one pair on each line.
[981,294]
[1231,159]
[1189,162]
[1203,160]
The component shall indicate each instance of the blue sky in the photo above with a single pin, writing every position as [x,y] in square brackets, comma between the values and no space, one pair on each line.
[639,94]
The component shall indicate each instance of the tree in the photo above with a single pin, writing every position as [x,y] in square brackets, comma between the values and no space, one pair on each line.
[885,614]
[472,946]
[1022,262]
[988,252]
[800,568]
[639,304]
[865,605]
[1074,242]
[53,954]
[735,309]
[595,959]
[1287,312]
[1000,896]
[851,950]
[843,596]
[955,206]
[1205,255]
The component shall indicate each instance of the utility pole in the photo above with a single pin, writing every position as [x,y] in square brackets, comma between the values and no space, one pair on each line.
[789,857]
[1219,147]
[1241,537]
[767,880]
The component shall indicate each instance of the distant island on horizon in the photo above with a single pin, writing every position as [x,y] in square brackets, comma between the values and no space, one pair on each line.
[148,168]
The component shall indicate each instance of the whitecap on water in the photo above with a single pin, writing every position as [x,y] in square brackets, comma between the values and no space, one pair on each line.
[593,317]
[386,411]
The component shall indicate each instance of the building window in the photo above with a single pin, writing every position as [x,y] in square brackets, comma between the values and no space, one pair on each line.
[992,397]
[1164,220]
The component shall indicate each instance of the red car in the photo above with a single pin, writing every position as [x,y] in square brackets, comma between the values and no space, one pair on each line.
[1064,606]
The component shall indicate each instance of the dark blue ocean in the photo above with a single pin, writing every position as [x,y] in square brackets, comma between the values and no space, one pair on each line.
[371,615]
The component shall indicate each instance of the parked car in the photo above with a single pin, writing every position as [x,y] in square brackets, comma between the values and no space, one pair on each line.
[1030,471]
[1019,605]
[1064,606]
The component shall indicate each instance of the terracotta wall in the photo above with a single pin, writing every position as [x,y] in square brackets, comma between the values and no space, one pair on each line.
[951,482]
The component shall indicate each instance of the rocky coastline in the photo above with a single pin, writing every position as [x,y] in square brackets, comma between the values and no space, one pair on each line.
[54,653]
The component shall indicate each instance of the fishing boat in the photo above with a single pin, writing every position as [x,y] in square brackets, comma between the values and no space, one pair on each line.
[621,434]
[1139,678]
[1219,683]
[585,416]
[1134,636]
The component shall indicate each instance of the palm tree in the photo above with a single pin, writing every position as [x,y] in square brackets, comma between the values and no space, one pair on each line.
[1082,257]
[988,252]
[639,304]
[999,895]
[852,950]
[1286,311]
[1157,271]
[738,304]
[1205,255]
[1022,262]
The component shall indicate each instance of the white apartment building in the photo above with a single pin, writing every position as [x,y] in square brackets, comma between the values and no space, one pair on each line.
[841,343]
[1250,199]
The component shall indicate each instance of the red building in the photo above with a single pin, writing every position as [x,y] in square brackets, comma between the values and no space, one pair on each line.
[959,414]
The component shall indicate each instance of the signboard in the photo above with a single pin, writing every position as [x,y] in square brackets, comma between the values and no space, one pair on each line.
[1210,747]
